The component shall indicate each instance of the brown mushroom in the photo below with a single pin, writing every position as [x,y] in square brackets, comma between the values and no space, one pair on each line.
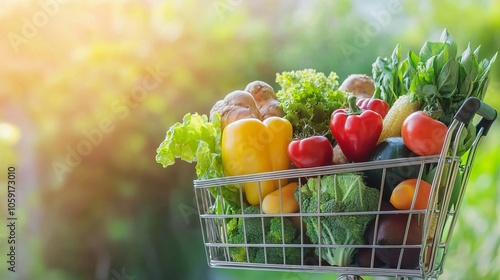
[360,85]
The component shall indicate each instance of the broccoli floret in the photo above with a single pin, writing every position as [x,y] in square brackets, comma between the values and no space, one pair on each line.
[239,254]
[253,226]
[280,233]
[277,231]
[338,193]
[274,255]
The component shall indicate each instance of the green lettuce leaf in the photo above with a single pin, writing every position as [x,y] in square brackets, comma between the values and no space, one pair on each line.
[198,140]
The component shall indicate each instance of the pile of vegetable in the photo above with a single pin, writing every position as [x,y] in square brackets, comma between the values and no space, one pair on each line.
[402,110]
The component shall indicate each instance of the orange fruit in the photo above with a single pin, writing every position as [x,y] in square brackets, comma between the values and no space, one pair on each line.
[402,195]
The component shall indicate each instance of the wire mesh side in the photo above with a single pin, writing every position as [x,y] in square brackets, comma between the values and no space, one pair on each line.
[219,248]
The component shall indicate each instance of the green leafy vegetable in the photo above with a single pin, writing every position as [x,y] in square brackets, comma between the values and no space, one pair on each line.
[389,85]
[308,99]
[337,194]
[439,79]
[198,140]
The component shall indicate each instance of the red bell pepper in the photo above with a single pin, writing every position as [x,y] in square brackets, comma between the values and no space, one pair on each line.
[311,152]
[374,104]
[356,130]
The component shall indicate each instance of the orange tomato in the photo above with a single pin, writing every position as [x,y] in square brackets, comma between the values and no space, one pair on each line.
[402,195]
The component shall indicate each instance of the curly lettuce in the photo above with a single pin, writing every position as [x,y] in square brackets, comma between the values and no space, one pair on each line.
[308,99]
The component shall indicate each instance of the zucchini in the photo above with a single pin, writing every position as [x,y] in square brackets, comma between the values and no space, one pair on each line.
[390,148]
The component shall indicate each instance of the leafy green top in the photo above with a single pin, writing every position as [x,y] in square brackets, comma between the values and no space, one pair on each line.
[436,76]
[308,99]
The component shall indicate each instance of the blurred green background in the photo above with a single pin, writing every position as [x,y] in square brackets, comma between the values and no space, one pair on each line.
[89,88]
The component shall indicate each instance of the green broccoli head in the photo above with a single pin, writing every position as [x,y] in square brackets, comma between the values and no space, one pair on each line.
[280,232]
[293,255]
[239,253]
[254,227]
[340,193]
[277,230]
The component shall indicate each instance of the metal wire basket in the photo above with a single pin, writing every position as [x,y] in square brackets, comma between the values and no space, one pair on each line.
[435,224]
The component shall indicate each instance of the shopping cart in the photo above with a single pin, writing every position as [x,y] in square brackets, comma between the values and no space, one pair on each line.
[436,222]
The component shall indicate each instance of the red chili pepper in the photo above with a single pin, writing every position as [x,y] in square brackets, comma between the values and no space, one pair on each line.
[356,130]
[310,152]
[374,104]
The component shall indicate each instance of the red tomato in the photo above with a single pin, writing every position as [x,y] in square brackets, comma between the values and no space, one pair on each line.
[311,152]
[422,134]
[374,104]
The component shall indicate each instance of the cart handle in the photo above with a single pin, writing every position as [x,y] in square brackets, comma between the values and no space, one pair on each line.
[473,106]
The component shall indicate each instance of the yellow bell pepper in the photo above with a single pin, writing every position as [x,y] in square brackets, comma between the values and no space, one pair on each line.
[252,146]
